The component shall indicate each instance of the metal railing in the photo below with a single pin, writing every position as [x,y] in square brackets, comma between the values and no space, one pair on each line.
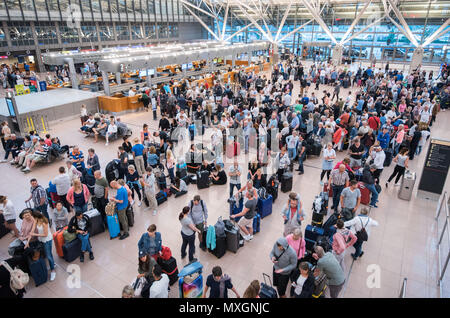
[403,289]
[35,122]
[443,220]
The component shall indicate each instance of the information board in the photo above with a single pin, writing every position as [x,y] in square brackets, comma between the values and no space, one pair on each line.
[436,167]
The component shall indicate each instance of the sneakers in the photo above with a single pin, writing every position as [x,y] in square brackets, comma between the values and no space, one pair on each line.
[124,236]
[52,276]
[91,256]
[140,203]
[132,202]
[373,206]
[360,255]
[250,237]
[26,170]
[13,162]
[246,237]
[106,144]
[3,161]
[154,212]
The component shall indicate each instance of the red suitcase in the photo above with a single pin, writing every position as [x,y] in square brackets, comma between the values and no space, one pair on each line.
[328,189]
[365,193]
[230,150]
[237,149]
[58,238]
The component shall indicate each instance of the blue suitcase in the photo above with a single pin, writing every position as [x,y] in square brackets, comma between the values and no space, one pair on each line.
[113,225]
[38,270]
[313,232]
[267,291]
[256,223]
[265,206]
[189,285]
[72,250]
[236,208]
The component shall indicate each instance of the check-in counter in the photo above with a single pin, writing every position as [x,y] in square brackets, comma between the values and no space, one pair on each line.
[119,103]
[266,67]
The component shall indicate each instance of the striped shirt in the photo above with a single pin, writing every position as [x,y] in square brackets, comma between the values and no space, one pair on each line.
[42,152]
[38,193]
[339,178]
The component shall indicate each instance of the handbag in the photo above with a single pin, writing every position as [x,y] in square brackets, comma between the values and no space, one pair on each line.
[362,234]
[138,285]
[18,279]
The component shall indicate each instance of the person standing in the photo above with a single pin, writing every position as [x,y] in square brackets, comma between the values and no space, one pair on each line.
[78,196]
[138,155]
[298,243]
[39,197]
[338,181]
[329,265]
[360,225]
[100,198]
[148,182]
[9,214]
[92,162]
[350,200]
[356,151]
[293,214]
[188,231]
[235,177]
[123,166]
[303,286]
[369,183]
[62,183]
[219,284]
[284,260]
[342,239]
[329,154]
[121,200]
[199,215]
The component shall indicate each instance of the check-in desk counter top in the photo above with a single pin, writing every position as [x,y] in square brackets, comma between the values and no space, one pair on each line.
[119,103]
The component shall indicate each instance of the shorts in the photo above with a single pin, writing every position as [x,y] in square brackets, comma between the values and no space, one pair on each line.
[245,222]
[37,158]
[12,221]
[200,226]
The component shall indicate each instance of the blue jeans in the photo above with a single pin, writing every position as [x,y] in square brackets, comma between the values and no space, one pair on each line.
[80,208]
[358,248]
[171,174]
[85,244]
[300,163]
[232,185]
[292,153]
[337,190]
[43,210]
[246,143]
[374,191]
[49,255]
[418,150]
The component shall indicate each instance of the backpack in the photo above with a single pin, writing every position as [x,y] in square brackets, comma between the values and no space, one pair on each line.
[192,204]
[18,279]
[362,234]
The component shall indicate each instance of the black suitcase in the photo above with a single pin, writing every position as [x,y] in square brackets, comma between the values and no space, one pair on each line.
[97,224]
[232,233]
[316,149]
[38,270]
[3,229]
[72,250]
[317,219]
[389,154]
[286,182]
[130,215]
[267,291]
[161,197]
[202,179]
[170,268]
[221,247]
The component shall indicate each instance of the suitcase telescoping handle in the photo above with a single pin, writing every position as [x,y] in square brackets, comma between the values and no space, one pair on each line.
[28,204]
[268,277]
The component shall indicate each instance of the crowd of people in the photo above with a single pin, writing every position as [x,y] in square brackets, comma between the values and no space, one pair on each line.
[386,116]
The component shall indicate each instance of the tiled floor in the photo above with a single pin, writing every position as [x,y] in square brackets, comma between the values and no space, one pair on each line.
[404,245]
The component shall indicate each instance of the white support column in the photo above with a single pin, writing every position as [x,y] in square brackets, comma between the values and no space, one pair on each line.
[225,21]
[201,21]
[185,3]
[416,59]
[238,32]
[354,35]
[283,20]
[358,17]
[106,83]
[319,20]
[72,72]
[148,78]
[118,79]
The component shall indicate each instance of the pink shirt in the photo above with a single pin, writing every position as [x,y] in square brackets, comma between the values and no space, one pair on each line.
[400,135]
[402,108]
[299,246]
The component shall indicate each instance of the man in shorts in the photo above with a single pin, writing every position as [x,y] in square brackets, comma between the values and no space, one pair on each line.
[248,213]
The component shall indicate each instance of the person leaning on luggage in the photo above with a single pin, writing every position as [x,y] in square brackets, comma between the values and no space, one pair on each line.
[284,260]
[199,215]
[121,200]
[329,265]
[81,224]
[188,231]
[338,180]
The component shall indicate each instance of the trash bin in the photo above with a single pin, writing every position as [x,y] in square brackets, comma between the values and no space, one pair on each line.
[407,185]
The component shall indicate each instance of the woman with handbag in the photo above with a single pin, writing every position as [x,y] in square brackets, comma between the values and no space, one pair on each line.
[284,261]
[293,214]
[297,242]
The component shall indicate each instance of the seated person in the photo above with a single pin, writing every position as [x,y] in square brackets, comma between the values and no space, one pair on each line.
[259,179]
[218,176]
[121,127]
[152,157]
[111,131]
[56,148]
[100,129]
[205,166]
[81,224]
[39,154]
[179,187]
[60,216]
[88,125]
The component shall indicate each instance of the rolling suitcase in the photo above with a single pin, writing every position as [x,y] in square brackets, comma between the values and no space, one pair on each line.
[3,229]
[286,182]
[407,185]
[38,270]
[365,193]
[256,223]
[161,197]
[313,232]
[130,215]
[328,188]
[113,225]
[170,268]
[272,188]
[190,281]
[317,219]
[221,247]
[202,179]
[267,291]
[58,239]
[232,233]
[236,208]
[97,225]
[72,250]
[265,206]
[230,150]
[388,159]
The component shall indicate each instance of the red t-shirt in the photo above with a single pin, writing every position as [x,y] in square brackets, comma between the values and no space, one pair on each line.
[374,122]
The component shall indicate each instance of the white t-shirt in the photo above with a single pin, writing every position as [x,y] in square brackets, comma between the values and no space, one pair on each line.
[112,128]
[160,288]
[299,284]
[47,238]
[8,210]
[329,153]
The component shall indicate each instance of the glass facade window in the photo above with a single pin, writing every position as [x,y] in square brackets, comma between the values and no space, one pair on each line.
[88,32]
[150,31]
[150,6]
[96,6]
[130,8]
[68,35]
[63,4]
[173,30]
[3,41]
[122,7]
[86,9]
[162,31]
[20,33]
[13,5]
[122,32]
[137,32]
[52,5]
[106,32]
[46,33]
